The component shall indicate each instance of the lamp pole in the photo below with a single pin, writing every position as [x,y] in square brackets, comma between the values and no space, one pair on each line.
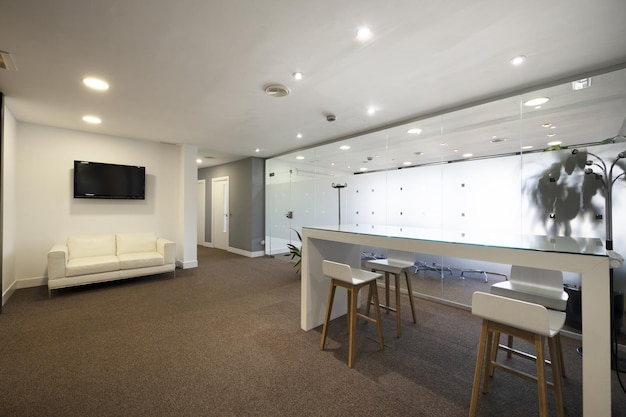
[339,187]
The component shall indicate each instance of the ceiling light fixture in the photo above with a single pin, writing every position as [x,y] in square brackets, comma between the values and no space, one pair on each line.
[92,119]
[418,153]
[414,131]
[299,157]
[536,101]
[297,75]
[198,161]
[276,90]
[96,83]
[555,143]
[364,34]
[527,147]
[257,150]
[518,60]
[344,147]
[299,135]
[468,155]
[546,125]
[406,163]
[551,135]
[581,84]
[495,139]
[371,110]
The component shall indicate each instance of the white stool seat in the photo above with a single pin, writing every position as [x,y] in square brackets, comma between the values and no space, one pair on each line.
[534,285]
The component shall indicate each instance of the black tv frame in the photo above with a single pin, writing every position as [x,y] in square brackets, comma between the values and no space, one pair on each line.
[109,181]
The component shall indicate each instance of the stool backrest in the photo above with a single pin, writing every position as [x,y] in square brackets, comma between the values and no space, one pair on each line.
[535,280]
[337,270]
[515,313]
[400,255]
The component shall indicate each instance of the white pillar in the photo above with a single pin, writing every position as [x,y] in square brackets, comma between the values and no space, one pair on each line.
[186,243]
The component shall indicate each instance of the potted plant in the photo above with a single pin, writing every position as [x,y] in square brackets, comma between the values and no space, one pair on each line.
[295,252]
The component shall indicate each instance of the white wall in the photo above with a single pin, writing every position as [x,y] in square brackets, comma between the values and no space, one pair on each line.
[9,205]
[47,212]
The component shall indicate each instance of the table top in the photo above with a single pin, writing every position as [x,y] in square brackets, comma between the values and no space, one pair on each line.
[544,243]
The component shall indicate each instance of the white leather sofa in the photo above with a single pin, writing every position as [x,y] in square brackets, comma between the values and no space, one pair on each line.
[100,258]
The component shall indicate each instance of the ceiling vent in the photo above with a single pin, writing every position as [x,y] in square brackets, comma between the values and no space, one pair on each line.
[6,61]
[276,90]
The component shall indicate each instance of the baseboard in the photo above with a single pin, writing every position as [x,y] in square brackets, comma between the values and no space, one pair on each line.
[9,292]
[187,264]
[31,282]
[246,253]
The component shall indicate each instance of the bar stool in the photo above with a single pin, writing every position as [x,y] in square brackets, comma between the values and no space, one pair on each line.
[528,321]
[395,265]
[534,285]
[352,280]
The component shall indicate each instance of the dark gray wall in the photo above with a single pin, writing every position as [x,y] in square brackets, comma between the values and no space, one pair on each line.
[246,201]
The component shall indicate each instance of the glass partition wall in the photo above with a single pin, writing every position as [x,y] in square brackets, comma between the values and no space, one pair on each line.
[510,166]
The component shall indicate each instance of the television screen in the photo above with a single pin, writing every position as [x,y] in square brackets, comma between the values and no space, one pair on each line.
[111,181]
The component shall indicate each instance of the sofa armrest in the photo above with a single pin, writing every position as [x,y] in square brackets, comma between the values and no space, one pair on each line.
[167,248]
[57,259]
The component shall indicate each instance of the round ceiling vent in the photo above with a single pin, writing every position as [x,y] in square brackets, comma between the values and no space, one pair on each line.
[276,90]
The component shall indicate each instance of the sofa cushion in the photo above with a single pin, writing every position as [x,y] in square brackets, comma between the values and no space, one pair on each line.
[140,260]
[136,242]
[90,246]
[91,265]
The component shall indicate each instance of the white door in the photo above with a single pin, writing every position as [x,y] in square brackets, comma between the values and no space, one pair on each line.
[220,215]
[201,211]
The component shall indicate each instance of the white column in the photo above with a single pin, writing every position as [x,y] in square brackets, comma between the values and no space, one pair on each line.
[187,240]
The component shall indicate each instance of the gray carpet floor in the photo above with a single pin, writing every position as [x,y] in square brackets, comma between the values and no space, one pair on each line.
[224,339]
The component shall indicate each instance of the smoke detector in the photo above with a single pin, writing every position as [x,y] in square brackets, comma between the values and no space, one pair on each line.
[276,90]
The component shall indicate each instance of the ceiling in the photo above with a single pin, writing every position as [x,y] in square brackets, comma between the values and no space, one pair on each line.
[194,71]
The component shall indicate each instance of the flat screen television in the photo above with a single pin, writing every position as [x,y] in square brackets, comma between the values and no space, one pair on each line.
[109,181]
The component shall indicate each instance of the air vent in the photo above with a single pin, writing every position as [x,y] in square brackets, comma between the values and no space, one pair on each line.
[276,90]
[6,61]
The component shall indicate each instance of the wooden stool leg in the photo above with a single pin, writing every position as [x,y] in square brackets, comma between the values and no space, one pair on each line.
[509,343]
[555,357]
[559,351]
[387,291]
[541,376]
[381,342]
[409,289]
[494,351]
[352,321]
[488,356]
[479,368]
[329,307]
[370,292]
[398,315]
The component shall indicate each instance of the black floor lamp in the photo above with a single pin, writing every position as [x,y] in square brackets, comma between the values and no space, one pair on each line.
[339,187]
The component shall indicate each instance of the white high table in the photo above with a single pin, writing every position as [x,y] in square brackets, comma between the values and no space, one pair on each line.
[581,255]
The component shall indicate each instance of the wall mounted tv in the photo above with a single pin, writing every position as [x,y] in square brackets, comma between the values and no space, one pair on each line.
[109,181]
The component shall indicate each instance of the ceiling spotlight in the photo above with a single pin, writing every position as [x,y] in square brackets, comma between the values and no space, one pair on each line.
[497,140]
[257,150]
[536,101]
[468,155]
[92,119]
[414,131]
[527,147]
[198,161]
[364,34]
[518,60]
[362,169]
[299,135]
[555,143]
[344,147]
[406,163]
[297,75]
[299,157]
[581,84]
[371,110]
[546,125]
[96,83]
[550,135]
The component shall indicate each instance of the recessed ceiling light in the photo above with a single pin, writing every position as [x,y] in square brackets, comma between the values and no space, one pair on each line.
[555,143]
[536,101]
[96,83]
[257,150]
[371,110]
[468,155]
[546,125]
[299,157]
[362,169]
[518,60]
[414,131]
[497,140]
[199,161]
[444,144]
[406,163]
[299,135]
[551,135]
[297,75]
[363,34]
[344,147]
[527,147]
[92,119]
